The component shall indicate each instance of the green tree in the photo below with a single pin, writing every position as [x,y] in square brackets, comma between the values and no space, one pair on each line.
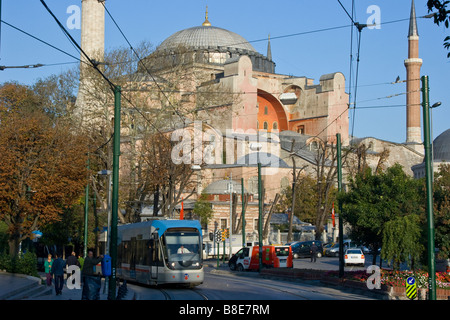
[376,199]
[400,240]
[442,15]
[442,211]
[203,208]
[305,199]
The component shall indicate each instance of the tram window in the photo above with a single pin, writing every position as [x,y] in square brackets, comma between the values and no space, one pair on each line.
[126,253]
[152,251]
[139,252]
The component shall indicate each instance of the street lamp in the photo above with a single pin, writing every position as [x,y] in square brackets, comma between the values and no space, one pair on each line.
[435,105]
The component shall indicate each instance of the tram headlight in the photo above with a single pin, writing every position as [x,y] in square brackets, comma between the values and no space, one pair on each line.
[171,265]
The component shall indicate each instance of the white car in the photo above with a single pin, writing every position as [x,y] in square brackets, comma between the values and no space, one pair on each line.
[354,256]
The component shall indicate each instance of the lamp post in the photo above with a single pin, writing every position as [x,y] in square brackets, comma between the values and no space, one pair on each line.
[429,189]
[107,173]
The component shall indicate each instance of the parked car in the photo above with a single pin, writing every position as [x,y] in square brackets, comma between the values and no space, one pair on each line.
[354,256]
[301,249]
[326,246]
[333,251]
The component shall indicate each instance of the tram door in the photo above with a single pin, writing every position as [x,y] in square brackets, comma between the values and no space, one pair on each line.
[153,258]
[133,250]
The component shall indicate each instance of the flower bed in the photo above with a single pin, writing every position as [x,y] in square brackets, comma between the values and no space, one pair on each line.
[397,278]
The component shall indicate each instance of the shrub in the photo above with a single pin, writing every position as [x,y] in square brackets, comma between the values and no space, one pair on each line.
[25,263]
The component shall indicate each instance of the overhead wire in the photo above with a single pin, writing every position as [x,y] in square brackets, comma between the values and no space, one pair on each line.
[40,40]
[144,65]
[94,64]
[140,60]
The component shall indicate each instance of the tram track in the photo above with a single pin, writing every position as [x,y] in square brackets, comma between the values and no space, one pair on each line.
[276,288]
[306,292]
[181,294]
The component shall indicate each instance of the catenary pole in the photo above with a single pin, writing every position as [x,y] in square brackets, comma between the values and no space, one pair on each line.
[341,222]
[86,212]
[260,209]
[115,193]
[243,212]
[429,189]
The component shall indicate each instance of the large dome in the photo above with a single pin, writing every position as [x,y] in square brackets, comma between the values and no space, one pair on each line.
[441,147]
[207,45]
[206,37]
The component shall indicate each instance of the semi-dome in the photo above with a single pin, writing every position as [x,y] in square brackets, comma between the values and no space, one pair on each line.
[441,147]
[207,37]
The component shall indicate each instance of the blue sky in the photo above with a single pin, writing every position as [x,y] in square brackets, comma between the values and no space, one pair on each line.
[382,51]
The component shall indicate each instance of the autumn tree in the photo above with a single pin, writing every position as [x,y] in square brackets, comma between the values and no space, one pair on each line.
[43,164]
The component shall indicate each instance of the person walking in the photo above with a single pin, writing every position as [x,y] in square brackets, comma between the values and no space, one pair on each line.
[48,267]
[91,281]
[313,252]
[58,272]
[72,260]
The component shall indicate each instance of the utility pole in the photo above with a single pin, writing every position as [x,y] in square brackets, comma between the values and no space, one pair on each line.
[115,193]
[230,233]
[260,209]
[291,217]
[341,222]
[429,189]
[243,212]
[86,212]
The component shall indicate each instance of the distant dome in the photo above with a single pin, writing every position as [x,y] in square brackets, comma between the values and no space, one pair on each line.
[221,187]
[207,37]
[441,147]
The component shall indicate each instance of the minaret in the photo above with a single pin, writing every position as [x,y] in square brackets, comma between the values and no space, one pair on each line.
[93,44]
[93,29]
[269,50]
[413,64]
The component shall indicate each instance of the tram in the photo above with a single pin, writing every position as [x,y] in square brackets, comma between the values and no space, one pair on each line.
[158,252]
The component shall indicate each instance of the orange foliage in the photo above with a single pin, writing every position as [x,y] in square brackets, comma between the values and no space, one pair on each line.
[43,169]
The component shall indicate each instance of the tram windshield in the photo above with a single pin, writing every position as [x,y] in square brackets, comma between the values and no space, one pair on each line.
[182,249]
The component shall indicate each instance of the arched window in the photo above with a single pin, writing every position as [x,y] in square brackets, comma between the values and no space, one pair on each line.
[275,126]
[266,110]
[265,125]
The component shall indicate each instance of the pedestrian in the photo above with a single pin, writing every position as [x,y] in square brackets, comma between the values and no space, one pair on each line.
[72,260]
[48,267]
[91,281]
[58,272]
[81,261]
[313,252]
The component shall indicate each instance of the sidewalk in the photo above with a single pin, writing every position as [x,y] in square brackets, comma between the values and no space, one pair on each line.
[22,287]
